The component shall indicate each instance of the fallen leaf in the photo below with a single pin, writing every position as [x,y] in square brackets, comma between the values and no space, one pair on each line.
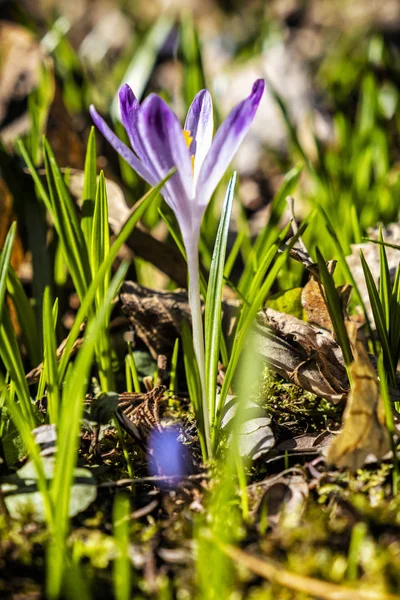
[305,354]
[364,427]
[21,61]
[21,494]
[256,437]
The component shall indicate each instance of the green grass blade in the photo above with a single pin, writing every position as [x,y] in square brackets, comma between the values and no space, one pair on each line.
[174,366]
[142,63]
[41,191]
[383,384]
[132,379]
[335,308]
[25,314]
[193,72]
[50,358]
[100,238]
[11,357]
[193,383]
[89,189]
[5,259]
[24,430]
[256,298]
[89,297]
[67,225]
[288,122]
[122,562]
[270,231]
[385,286]
[100,247]
[343,263]
[68,436]
[379,319]
[213,308]
[394,331]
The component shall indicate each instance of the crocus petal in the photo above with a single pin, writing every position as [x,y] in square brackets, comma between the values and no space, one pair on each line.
[199,122]
[122,148]
[129,115]
[225,144]
[165,147]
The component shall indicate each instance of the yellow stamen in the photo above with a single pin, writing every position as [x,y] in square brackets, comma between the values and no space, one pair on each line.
[188,137]
[188,140]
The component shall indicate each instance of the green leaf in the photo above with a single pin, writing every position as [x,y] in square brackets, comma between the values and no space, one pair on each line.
[270,232]
[13,448]
[28,439]
[100,238]
[288,302]
[5,259]
[25,314]
[141,66]
[385,286]
[98,279]
[68,431]
[122,562]
[193,381]
[379,318]
[335,308]
[213,309]
[193,72]
[89,189]
[258,292]
[67,225]
[11,357]
[50,358]
[21,494]
[132,379]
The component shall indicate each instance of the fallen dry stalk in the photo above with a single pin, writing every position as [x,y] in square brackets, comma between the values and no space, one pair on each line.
[300,583]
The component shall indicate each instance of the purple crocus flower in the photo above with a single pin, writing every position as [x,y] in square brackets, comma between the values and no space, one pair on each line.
[158,145]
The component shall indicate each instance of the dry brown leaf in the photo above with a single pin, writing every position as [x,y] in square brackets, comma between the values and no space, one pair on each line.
[314,303]
[305,354]
[364,427]
[22,59]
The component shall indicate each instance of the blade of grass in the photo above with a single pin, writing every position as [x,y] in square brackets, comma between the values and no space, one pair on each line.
[24,430]
[25,314]
[335,308]
[383,384]
[256,297]
[87,302]
[385,286]
[174,365]
[68,432]
[50,358]
[122,563]
[142,63]
[11,357]
[193,383]
[89,189]
[132,379]
[213,308]
[5,259]
[269,233]
[67,224]
[193,72]
[379,319]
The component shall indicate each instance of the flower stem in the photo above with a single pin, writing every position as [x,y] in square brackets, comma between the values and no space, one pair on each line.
[198,334]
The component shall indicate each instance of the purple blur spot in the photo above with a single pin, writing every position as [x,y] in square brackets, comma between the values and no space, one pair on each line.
[168,456]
